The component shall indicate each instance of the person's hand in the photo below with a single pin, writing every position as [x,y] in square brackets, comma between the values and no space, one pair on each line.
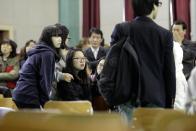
[68,77]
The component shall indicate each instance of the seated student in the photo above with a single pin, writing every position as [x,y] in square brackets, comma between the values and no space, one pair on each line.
[181,83]
[63,53]
[179,29]
[23,53]
[98,102]
[9,67]
[59,65]
[79,87]
[37,73]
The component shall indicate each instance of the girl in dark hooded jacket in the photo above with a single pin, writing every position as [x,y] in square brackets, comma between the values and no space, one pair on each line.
[37,73]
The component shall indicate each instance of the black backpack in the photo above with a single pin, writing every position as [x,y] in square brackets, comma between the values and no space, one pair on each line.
[120,78]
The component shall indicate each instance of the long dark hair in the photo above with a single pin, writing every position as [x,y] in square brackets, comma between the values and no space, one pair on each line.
[65,32]
[82,75]
[13,45]
[47,34]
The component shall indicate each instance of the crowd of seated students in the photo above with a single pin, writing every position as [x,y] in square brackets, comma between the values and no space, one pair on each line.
[74,72]
[65,74]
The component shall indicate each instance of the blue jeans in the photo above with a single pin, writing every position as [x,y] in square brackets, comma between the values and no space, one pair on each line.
[126,110]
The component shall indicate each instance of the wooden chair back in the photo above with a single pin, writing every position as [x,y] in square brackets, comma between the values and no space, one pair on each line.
[143,118]
[70,107]
[43,121]
[166,117]
[7,102]
[184,124]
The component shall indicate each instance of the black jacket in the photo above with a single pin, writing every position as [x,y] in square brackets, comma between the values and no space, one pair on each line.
[119,80]
[73,91]
[154,47]
[189,56]
[92,61]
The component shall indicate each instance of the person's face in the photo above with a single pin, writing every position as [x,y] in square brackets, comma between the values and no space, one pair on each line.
[6,48]
[79,60]
[95,40]
[56,40]
[178,30]
[30,46]
[100,66]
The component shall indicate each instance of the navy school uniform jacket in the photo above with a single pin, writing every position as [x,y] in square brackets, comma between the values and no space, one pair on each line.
[154,47]
[92,61]
[36,75]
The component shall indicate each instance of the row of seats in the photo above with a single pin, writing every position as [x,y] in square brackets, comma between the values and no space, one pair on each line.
[71,107]
[149,120]
[78,115]
[158,119]
[48,121]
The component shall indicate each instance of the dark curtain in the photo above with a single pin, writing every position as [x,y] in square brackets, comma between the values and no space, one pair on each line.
[91,15]
[128,10]
[181,11]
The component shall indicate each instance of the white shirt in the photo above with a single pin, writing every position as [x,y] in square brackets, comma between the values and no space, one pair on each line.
[181,83]
[191,93]
[178,56]
[95,51]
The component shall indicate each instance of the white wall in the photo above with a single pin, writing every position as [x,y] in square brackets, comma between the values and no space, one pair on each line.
[193,20]
[28,17]
[111,13]
[81,17]
[163,14]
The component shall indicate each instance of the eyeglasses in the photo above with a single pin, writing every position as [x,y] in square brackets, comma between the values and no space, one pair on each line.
[80,59]
[160,4]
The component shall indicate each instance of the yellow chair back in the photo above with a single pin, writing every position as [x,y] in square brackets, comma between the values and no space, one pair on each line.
[70,107]
[43,121]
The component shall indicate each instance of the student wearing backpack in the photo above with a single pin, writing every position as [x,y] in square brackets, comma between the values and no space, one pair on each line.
[154,47]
